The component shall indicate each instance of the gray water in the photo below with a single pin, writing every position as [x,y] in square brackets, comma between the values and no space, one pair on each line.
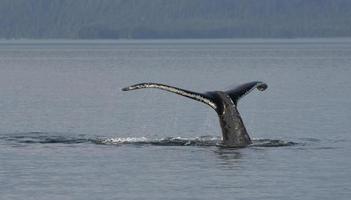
[67,131]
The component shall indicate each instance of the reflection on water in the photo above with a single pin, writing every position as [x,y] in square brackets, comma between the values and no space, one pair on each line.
[228,158]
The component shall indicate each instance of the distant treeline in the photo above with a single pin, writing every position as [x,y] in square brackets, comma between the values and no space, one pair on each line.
[90,19]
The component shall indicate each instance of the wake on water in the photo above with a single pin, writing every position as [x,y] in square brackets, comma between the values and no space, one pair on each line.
[49,138]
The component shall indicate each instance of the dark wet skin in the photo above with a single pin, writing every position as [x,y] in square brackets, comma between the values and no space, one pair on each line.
[234,133]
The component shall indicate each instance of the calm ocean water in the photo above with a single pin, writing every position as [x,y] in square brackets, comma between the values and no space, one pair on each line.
[67,131]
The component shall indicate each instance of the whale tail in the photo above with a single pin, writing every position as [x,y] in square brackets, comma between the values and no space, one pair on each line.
[224,103]
[207,98]
[240,91]
[186,93]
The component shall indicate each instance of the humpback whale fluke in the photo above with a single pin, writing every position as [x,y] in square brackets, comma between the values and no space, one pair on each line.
[234,133]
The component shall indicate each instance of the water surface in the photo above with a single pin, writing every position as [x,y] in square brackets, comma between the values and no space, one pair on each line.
[67,131]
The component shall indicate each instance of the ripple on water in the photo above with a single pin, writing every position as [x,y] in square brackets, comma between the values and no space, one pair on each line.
[49,138]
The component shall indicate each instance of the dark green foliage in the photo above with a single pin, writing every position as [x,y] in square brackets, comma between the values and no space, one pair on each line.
[174,18]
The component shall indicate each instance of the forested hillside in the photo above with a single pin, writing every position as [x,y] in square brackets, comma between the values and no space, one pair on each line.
[42,19]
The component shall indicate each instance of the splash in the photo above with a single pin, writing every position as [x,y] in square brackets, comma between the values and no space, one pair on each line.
[167,141]
[49,138]
[271,143]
